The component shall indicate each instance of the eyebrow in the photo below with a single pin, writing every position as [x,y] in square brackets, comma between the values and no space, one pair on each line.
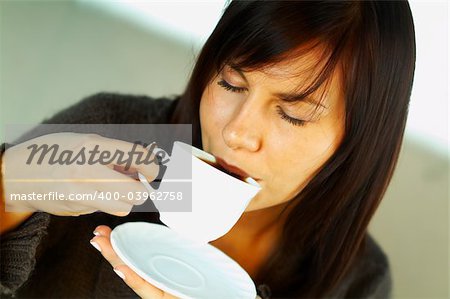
[285,97]
[292,97]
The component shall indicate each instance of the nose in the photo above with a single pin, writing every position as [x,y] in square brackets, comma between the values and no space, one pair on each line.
[244,130]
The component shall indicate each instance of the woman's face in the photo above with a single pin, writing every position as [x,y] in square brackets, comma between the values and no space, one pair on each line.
[247,122]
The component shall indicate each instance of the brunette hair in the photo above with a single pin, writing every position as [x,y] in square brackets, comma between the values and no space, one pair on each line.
[373,45]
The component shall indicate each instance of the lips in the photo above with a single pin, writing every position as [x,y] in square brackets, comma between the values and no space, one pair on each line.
[231,168]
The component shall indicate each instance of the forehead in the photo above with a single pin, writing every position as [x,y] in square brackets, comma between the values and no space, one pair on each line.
[297,64]
[296,73]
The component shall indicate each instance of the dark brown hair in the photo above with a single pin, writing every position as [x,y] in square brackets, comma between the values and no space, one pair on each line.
[373,45]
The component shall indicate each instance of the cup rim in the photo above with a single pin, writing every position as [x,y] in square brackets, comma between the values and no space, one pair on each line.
[202,155]
[196,152]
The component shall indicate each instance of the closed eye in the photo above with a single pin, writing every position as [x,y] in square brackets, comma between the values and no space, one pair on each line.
[230,87]
[293,121]
[289,119]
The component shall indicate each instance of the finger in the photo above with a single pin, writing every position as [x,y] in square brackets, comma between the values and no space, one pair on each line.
[141,287]
[131,155]
[117,209]
[106,202]
[114,192]
[103,244]
[78,212]
[144,289]
[131,189]
[132,193]
[102,230]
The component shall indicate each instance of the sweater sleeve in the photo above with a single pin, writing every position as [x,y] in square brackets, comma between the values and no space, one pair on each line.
[19,248]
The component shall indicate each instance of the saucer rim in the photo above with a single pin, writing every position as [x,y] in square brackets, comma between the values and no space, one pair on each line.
[115,235]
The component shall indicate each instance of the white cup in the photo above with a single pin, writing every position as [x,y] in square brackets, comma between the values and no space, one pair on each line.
[218,199]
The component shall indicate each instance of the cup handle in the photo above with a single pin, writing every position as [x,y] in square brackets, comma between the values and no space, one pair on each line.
[144,181]
[142,178]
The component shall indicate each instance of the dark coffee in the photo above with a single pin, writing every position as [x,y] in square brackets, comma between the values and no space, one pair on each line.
[219,167]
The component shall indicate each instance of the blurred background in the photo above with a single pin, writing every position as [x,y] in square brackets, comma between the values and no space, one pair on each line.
[54,53]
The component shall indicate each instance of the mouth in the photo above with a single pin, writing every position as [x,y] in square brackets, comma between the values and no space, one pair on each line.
[234,170]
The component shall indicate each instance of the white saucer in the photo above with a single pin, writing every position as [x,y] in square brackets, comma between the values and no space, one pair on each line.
[179,266]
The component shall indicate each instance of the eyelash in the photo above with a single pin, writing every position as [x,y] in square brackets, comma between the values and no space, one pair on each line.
[294,121]
[291,120]
[230,87]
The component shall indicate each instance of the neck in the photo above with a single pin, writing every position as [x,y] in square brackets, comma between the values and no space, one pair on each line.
[253,237]
[255,227]
[255,224]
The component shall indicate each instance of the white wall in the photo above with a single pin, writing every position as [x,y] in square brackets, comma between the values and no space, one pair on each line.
[53,53]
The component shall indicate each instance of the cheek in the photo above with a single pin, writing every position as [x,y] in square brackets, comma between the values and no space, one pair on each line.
[297,167]
[321,147]
[216,109]
[208,111]
[211,117]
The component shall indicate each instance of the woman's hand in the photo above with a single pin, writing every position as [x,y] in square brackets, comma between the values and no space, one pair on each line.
[141,287]
[27,172]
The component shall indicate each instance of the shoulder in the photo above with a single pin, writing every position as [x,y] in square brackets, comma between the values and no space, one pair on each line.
[370,275]
[116,108]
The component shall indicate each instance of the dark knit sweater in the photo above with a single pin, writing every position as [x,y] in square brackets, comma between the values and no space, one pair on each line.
[50,256]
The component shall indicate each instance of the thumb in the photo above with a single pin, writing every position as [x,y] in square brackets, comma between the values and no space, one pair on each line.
[159,157]
[132,158]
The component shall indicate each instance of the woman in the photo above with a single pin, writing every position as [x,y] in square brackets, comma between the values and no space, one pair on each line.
[309,98]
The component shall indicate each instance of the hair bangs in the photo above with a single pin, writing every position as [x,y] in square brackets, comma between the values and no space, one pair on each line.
[257,47]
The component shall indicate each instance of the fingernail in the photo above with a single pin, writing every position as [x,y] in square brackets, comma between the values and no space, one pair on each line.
[120,274]
[96,246]
[96,233]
